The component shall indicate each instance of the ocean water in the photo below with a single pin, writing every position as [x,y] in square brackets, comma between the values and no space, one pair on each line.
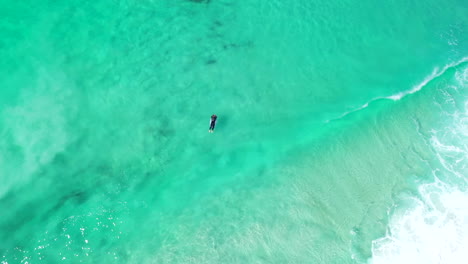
[342,132]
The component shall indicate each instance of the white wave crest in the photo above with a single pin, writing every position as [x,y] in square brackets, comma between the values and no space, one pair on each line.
[435,73]
[463,77]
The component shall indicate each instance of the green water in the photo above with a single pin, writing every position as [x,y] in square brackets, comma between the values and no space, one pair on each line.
[104,111]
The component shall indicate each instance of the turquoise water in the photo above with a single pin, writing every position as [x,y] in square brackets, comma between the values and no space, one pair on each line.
[341,137]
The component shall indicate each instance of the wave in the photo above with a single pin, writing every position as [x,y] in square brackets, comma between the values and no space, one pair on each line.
[433,230]
[396,97]
[435,74]
[432,227]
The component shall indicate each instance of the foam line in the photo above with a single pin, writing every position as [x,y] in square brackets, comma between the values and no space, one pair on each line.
[395,97]
[435,74]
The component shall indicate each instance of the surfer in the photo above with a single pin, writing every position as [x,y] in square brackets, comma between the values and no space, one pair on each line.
[212,123]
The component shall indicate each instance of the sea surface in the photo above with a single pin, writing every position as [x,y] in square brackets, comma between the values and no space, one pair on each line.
[342,133]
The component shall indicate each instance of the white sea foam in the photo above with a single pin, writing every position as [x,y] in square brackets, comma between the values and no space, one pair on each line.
[435,230]
[433,227]
[355,110]
[462,77]
[436,73]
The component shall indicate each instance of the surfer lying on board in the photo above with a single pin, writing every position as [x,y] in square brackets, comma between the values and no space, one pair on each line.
[212,123]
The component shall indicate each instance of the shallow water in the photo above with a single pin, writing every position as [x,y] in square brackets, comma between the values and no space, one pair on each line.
[341,135]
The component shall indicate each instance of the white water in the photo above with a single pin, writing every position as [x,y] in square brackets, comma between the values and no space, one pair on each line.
[433,227]
[396,97]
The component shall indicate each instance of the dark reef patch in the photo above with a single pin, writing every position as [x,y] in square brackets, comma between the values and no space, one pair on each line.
[200,1]
[246,44]
[210,61]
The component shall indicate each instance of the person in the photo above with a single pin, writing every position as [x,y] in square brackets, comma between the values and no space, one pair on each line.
[212,123]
